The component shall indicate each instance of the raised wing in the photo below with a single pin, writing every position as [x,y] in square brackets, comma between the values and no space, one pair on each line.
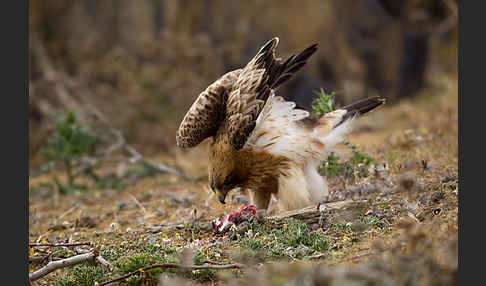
[228,108]
[251,90]
[206,113]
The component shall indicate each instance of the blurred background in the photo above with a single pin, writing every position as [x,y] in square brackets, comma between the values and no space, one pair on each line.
[140,64]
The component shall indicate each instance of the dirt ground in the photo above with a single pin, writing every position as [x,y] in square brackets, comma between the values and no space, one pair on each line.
[415,142]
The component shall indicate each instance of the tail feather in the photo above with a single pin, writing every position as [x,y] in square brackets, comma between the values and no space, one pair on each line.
[362,106]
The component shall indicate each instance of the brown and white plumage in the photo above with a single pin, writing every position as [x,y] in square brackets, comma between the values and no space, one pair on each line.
[261,142]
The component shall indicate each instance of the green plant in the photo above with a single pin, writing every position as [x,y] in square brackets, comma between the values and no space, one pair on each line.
[69,141]
[82,275]
[324,103]
[292,240]
[297,233]
[356,166]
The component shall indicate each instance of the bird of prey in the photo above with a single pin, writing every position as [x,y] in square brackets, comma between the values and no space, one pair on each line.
[262,143]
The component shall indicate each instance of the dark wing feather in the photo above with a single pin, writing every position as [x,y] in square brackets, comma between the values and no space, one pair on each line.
[292,65]
[206,113]
[253,87]
[363,106]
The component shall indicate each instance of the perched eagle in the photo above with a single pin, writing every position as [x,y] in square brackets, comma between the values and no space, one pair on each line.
[261,142]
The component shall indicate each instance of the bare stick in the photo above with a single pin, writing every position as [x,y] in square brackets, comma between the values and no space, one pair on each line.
[173,265]
[333,212]
[105,262]
[137,157]
[213,262]
[317,256]
[59,244]
[58,264]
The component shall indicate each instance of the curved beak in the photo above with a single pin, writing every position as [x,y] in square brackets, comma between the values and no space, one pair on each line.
[221,196]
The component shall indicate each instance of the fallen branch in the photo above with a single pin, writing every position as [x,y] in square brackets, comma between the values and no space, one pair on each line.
[105,262]
[173,265]
[317,256]
[326,214]
[213,262]
[58,264]
[59,244]
[159,167]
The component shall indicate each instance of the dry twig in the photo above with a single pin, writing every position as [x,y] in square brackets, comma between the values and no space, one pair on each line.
[58,264]
[333,212]
[317,256]
[105,262]
[59,244]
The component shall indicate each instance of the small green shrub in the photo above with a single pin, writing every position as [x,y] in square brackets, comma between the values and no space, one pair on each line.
[324,103]
[83,275]
[356,166]
[70,138]
[298,233]
[69,141]
[292,240]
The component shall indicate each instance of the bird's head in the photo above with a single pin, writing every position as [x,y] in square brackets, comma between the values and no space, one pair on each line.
[224,172]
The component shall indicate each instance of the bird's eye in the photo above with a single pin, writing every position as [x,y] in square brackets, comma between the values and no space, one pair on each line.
[228,179]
